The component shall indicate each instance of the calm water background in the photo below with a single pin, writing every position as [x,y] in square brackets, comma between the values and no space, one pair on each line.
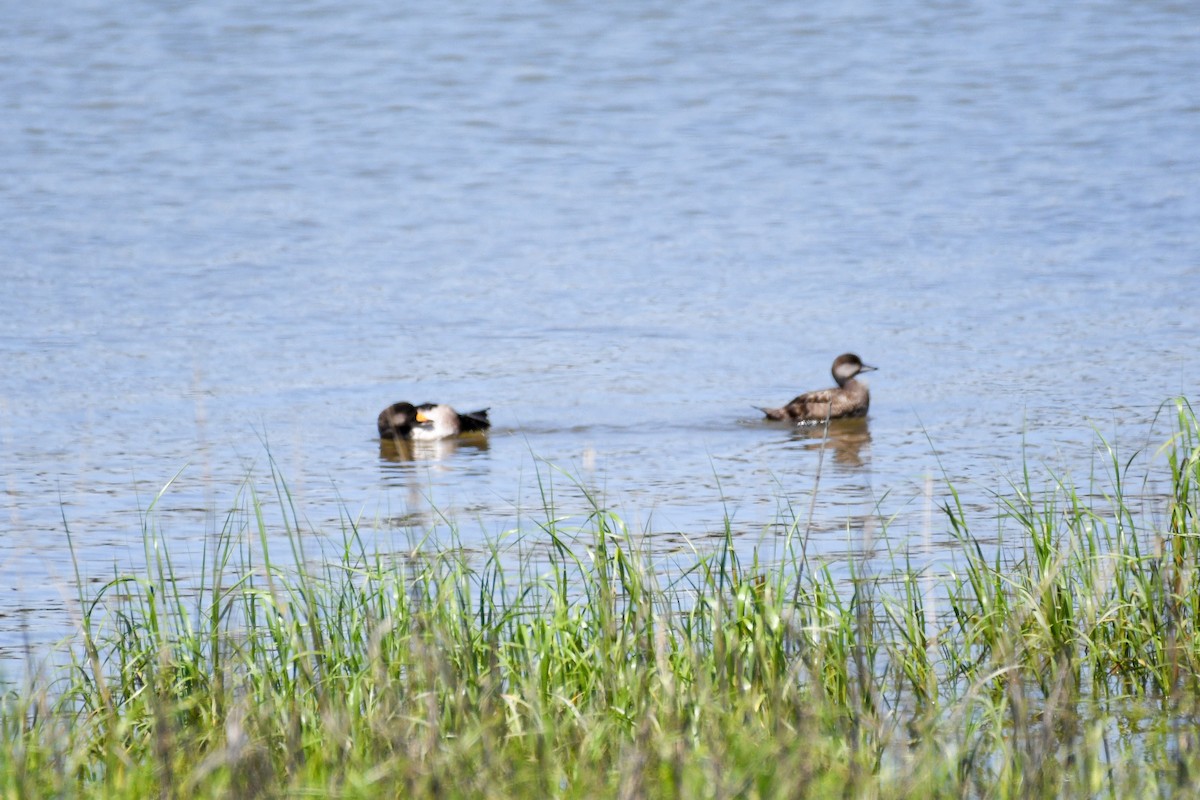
[618,226]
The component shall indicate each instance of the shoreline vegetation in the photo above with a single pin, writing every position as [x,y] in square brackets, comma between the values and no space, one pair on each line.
[1065,663]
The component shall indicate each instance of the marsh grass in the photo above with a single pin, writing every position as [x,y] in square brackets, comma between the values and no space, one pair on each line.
[1065,663]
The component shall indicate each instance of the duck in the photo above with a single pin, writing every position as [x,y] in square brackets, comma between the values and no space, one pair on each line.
[848,399]
[428,422]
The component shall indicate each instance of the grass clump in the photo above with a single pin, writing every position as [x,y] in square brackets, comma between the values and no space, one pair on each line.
[1064,663]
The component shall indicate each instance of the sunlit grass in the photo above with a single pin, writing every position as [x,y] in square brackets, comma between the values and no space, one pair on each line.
[1065,663]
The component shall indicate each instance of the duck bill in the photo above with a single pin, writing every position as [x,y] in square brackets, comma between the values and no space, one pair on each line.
[865,368]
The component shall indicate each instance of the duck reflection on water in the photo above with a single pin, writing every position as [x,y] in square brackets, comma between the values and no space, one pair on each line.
[405,451]
[846,438]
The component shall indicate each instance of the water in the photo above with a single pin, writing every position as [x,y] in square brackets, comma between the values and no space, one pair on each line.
[620,227]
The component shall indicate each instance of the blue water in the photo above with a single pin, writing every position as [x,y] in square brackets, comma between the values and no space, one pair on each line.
[234,230]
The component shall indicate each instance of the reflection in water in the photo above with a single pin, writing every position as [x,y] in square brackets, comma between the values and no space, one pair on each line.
[846,437]
[403,451]
[407,464]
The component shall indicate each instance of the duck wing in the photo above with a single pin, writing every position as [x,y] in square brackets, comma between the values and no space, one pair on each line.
[819,405]
[806,407]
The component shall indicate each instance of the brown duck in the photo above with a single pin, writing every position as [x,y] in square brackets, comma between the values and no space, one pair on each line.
[849,399]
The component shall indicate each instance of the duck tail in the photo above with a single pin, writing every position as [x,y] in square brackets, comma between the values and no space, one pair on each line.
[474,421]
[773,413]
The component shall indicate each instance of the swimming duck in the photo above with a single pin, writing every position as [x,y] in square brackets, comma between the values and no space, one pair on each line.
[849,399]
[428,421]
[437,421]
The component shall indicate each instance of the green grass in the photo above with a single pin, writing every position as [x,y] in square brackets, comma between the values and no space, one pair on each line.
[1065,663]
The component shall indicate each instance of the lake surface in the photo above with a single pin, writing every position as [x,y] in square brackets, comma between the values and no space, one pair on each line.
[237,231]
